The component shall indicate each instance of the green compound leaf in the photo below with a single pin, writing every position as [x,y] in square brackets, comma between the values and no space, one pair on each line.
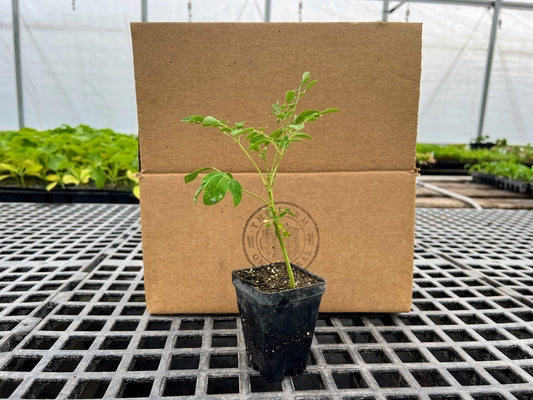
[51,185]
[198,191]
[235,189]
[302,135]
[297,127]
[305,77]
[98,176]
[242,131]
[211,121]
[311,84]
[289,96]
[307,115]
[329,110]
[276,134]
[8,167]
[136,191]
[57,162]
[290,212]
[193,175]
[216,186]
[50,148]
[197,119]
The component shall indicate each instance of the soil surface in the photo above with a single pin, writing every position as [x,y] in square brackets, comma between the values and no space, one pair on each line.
[274,278]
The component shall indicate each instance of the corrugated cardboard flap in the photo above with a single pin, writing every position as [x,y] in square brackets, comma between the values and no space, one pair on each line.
[236,71]
[364,243]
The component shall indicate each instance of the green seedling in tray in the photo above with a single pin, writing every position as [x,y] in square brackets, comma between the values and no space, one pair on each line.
[81,156]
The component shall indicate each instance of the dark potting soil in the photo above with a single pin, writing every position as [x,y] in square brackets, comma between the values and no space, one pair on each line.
[275,278]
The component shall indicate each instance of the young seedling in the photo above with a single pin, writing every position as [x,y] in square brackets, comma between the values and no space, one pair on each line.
[269,149]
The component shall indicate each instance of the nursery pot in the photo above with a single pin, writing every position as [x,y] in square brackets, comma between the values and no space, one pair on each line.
[278,327]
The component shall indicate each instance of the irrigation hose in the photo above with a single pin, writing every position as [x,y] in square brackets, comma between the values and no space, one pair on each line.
[449,193]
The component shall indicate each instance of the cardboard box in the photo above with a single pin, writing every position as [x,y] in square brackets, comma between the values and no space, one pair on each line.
[352,188]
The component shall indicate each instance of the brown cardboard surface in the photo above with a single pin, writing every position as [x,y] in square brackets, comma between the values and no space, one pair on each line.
[354,184]
[365,232]
[236,71]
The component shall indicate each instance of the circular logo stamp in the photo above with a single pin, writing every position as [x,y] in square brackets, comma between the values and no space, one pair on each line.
[261,245]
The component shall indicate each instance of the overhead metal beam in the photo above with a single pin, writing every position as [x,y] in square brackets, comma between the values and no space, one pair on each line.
[385,11]
[401,3]
[268,6]
[144,10]
[488,66]
[18,64]
[517,5]
[475,3]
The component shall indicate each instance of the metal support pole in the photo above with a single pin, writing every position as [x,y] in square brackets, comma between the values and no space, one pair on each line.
[488,66]
[268,6]
[18,65]
[144,10]
[385,11]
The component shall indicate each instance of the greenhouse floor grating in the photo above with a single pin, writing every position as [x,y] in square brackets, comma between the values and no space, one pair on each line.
[73,322]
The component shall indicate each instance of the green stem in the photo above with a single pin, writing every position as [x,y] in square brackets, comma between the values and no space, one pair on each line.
[274,171]
[251,160]
[279,235]
[286,256]
[256,196]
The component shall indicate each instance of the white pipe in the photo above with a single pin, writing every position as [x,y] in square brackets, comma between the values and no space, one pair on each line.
[449,193]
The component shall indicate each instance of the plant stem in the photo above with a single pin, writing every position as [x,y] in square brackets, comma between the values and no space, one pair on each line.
[251,159]
[279,235]
[256,196]
[287,261]
[269,185]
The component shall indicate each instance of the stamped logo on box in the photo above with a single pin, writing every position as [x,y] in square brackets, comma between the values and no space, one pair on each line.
[261,247]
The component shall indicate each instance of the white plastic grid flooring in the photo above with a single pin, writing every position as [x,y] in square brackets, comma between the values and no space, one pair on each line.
[73,322]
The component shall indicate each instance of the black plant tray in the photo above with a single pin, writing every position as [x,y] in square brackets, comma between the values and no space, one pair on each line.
[518,186]
[480,146]
[503,183]
[19,195]
[451,167]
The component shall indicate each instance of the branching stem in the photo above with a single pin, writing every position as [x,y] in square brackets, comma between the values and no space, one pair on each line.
[216,183]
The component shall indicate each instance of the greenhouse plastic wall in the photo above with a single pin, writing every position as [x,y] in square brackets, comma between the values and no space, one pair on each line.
[77,64]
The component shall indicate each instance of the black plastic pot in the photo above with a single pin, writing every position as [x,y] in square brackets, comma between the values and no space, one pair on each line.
[278,327]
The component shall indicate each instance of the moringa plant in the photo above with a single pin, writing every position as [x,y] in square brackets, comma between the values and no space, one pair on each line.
[269,150]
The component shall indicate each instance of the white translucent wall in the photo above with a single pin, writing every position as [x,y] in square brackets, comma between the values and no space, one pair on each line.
[77,63]
[455,43]
[206,11]
[326,11]
[8,91]
[510,102]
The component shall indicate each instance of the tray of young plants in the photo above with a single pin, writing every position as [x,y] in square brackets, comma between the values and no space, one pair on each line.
[68,164]
[456,158]
[504,175]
